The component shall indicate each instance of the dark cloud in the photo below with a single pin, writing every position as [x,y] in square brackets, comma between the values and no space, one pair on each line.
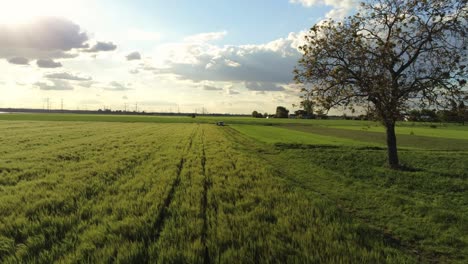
[259,86]
[211,88]
[102,46]
[133,56]
[19,61]
[48,63]
[43,38]
[56,85]
[67,76]
[117,87]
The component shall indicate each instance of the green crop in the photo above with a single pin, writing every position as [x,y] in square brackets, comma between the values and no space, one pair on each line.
[168,192]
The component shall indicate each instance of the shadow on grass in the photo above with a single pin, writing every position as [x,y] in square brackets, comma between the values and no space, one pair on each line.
[407,168]
[323,146]
[304,146]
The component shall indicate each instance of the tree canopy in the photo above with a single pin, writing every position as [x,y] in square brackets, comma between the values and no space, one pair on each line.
[391,55]
[282,112]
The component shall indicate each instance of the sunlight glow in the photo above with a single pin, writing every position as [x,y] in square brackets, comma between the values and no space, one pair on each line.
[23,11]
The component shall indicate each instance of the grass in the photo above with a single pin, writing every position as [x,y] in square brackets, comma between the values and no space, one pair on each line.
[452,131]
[423,211]
[275,134]
[165,190]
[456,141]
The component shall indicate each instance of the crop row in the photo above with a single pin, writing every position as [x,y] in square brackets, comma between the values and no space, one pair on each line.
[167,193]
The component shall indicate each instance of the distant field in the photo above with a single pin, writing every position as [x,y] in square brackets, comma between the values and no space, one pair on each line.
[424,139]
[138,189]
[281,134]
[345,124]
[322,133]
[452,131]
[168,119]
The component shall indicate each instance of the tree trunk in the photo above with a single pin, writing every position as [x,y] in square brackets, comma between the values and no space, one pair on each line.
[392,145]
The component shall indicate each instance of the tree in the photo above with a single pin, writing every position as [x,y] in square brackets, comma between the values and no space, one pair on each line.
[462,113]
[307,104]
[392,54]
[282,112]
[256,114]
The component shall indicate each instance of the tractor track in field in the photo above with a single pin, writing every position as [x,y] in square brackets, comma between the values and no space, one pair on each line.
[206,187]
[119,174]
[163,213]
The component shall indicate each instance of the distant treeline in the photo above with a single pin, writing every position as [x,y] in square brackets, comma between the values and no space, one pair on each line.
[110,112]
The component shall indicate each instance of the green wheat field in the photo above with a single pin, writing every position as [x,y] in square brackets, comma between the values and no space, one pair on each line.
[144,189]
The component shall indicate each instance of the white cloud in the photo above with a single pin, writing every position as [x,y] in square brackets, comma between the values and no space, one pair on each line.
[117,87]
[48,63]
[133,56]
[263,86]
[340,8]
[206,37]
[272,62]
[101,46]
[67,76]
[231,91]
[54,85]
[86,84]
[46,38]
[211,88]
[18,61]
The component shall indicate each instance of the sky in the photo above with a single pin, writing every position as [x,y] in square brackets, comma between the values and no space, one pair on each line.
[213,56]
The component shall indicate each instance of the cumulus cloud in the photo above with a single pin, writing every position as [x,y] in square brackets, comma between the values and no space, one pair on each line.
[43,38]
[206,37]
[48,63]
[117,87]
[67,76]
[86,84]
[272,62]
[259,86]
[133,56]
[339,7]
[54,85]
[19,60]
[102,46]
[231,91]
[211,88]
